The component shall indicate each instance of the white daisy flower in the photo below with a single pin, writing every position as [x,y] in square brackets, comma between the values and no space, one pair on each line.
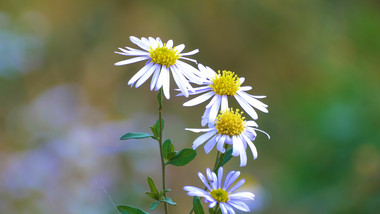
[230,128]
[219,86]
[161,57]
[216,193]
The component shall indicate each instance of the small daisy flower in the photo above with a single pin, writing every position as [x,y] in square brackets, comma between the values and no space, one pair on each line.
[230,128]
[220,86]
[216,193]
[161,57]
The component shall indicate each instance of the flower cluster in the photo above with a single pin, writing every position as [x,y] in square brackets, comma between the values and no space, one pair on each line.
[225,127]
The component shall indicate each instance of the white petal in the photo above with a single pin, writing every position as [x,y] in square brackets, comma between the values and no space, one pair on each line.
[132,60]
[167,82]
[205,117]
[190,53]
[237,185]
[199,130]
[204,181]
[230,209]
[200,99]
[245,88]
[220,177]
[214,181]
[251,146]
[251,123]
[179,48]
[195,191]
[258,97]
[190,72]
[212,204]
[145,41]
[155,77]
[161,79]
[239,205]
[242,196]
[159,41]
[214,110]
[223,208]
[188,59]
[133,52]
[201,139]
[247,108]
[224,103]
[140,73]
[243,154]
[169,44]
[220,145]
[139,43]
[147,74]
[231,177]
[253,102]
[182,79]
[213,100]
[197,91]
[235,146]
[242,79]
[153,43]
[177,80]
[210,145]
[262,132]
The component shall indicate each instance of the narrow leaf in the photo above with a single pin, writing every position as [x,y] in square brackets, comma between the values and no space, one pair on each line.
[227,157]
[151,195]
[197,206]
[130,210]
[135,135]
[154,205]
[153,188]
[169,201]
[166,148]
[184,157]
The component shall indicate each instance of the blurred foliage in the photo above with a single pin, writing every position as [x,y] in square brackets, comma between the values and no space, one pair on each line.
[317,61]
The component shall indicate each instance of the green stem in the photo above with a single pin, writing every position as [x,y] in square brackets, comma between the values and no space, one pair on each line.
[160,142]
[221,158]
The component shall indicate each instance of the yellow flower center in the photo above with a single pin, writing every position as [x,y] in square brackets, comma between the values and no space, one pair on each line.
[225,83]
[220,195]
[163,55]
[230,123]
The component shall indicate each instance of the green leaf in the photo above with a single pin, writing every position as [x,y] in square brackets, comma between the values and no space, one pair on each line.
[183,157]
[151,195]
[227,157]
[211,211]
[153,188]
[197,206]
[171,155]
[169,201]
[135,135]
[156,128]
[130,210]
[154,205]
[167,148]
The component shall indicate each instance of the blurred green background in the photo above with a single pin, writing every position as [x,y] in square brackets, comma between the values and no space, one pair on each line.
[64,105]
